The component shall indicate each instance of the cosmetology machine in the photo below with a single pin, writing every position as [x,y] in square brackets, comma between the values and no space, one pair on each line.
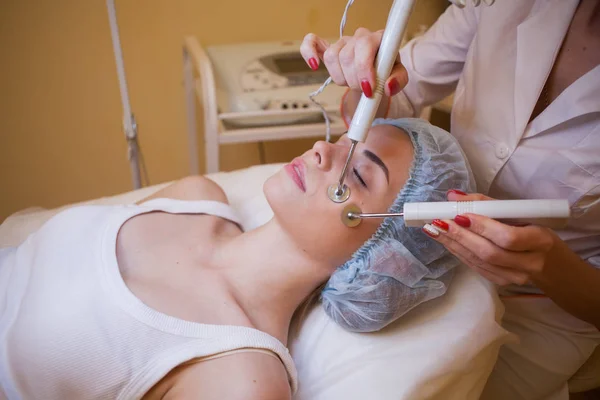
[542,212]
[263,77]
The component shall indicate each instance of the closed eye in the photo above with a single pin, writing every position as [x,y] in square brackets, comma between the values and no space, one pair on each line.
[360,179]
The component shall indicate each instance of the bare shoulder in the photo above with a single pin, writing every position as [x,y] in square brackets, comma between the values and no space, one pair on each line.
[240,376]
[193,187]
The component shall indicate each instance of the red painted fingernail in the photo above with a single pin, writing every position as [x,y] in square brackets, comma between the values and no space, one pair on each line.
[366,88]
[462,221]
[441,224]
[313,63]
[394,87]
[456,191]
[430,231]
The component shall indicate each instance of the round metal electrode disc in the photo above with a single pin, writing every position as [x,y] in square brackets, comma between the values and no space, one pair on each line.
[349,210]
[333,195]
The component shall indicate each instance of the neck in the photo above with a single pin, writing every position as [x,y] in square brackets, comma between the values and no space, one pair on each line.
[592,9]
[270,276]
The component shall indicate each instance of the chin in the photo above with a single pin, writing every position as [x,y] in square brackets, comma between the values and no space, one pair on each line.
[287,206]
[276,193]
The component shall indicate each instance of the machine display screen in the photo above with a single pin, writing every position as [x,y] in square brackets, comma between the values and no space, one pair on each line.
[289,65]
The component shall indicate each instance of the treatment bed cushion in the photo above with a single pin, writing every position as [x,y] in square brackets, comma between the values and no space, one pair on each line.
[443,349]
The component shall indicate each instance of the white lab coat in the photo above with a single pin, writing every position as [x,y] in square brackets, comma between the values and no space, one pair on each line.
[497,60]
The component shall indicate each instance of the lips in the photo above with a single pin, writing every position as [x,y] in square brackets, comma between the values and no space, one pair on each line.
[295,170]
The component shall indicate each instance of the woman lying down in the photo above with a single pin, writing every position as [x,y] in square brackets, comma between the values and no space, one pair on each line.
[170,299]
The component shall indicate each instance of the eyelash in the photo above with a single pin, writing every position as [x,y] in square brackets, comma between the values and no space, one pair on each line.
[360,179]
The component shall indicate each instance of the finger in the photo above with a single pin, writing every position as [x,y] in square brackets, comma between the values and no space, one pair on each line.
[397,81]
[347,64]
[497,274]
[489,275]
[498,280]
[502,276]
[331,57]
[365,50]
[490,272]
[360,31]
[312,49]
[481,247]
[519,262]
[457,195]
[512,238]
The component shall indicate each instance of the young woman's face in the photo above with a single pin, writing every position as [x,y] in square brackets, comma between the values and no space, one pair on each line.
[298,193]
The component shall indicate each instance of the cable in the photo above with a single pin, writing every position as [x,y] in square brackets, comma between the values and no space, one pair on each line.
[320,90]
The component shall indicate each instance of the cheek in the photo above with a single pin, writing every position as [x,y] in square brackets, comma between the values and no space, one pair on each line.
[337,232]
[360,234]
[338,240]
[342,242]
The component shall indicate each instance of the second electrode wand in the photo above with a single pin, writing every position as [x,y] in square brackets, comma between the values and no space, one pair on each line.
[548,213]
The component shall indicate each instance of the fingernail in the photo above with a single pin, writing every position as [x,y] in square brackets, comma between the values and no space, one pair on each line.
[441,225]
[314,64]
[394,87]
[430,230]
[456,191]
[366,88]
[462,221]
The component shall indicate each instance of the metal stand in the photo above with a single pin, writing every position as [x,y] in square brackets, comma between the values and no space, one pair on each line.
[129,124]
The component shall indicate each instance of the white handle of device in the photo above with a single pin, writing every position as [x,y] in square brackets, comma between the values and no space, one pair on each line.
[549,213]
[388,52]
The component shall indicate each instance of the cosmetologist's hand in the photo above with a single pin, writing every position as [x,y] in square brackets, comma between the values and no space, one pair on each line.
[501,253]
[350,61]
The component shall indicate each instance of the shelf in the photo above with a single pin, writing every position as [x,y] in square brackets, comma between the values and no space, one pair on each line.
[262,134]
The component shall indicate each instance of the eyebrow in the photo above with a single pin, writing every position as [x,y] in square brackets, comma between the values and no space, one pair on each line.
[373,157]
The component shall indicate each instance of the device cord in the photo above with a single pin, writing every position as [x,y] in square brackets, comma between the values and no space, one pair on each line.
[312,96]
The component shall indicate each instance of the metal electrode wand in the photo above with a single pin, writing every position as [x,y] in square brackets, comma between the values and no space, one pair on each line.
[552,213]
[367,107]
[340,193]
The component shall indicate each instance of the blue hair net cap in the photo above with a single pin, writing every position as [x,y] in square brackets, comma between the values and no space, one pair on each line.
[399,267]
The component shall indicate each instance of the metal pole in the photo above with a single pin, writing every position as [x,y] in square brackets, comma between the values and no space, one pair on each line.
[129,124]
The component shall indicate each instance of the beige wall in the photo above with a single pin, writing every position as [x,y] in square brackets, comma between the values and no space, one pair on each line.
[60,113]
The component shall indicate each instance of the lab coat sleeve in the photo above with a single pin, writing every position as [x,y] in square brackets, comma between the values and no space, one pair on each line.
[435,61]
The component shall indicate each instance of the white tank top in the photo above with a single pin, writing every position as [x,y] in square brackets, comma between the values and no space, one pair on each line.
[71,329]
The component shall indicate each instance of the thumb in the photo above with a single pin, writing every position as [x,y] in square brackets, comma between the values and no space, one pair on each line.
[457,195]
[397,80]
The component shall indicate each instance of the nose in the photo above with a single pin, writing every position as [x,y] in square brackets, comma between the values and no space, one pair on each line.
[325,153]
